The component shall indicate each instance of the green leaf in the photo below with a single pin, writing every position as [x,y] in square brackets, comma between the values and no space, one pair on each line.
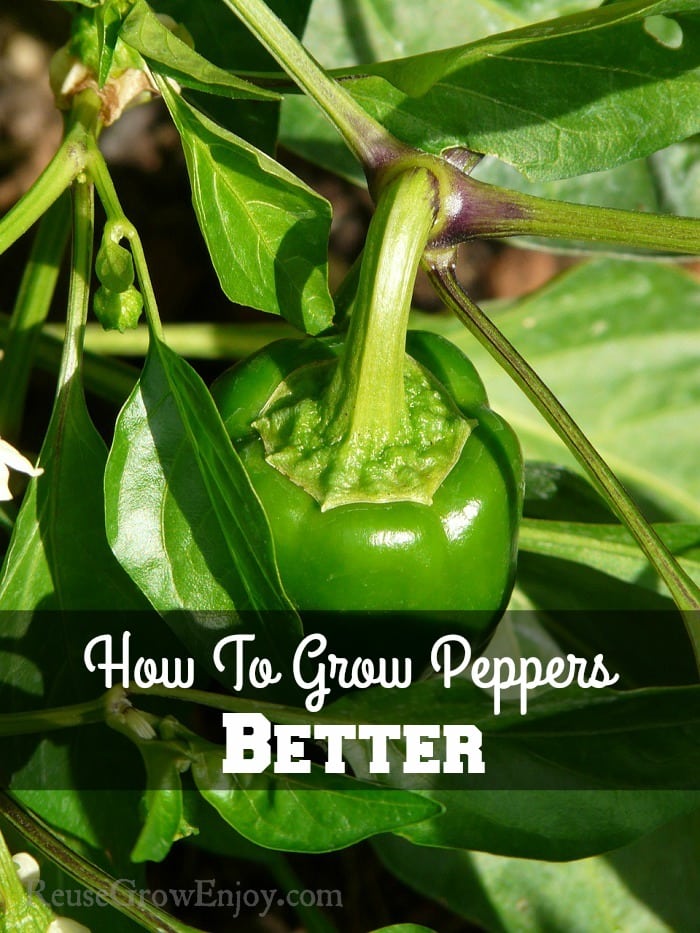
[165,822]
[170,56]
[223,39]
[267,233]
[59,560]
[635,888]
[537,97]
[305,812]
[107,22]
[376,30]
[341,35]
[568,743]
[436,65]
[618,344]
[610,548]
[548,825]
[569,738]
[59,557]
[405,928]
[183,519]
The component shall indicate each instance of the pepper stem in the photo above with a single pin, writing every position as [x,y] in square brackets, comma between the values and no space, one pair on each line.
[375,426]
[368,389]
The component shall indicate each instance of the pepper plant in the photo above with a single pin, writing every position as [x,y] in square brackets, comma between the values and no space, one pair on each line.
[353,479]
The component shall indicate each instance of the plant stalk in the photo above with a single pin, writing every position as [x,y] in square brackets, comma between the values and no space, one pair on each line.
[79,289]
[67,163]
[683,590]
[92,711]
[608,225]
[367,392]
[56,178]
[367,139]
[477,209]
[112,891]
[47,720]
[105,377]
[99,172]
[31,308]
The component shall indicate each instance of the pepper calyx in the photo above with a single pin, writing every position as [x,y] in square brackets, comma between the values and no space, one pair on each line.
[305,442]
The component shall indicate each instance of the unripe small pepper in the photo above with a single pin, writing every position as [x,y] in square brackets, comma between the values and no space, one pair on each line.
[118,310]
[117,302]
[389,484]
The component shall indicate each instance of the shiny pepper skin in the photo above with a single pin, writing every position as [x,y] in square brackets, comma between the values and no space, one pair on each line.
[445,567]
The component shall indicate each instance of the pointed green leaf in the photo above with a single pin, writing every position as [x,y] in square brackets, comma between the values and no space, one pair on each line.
[548,825]
[169,55]
[165,822]
[107,20]
[59,560]
[536,97]
[558,781]
[266,231]
[382,30]
[224,40]
[634,888]
[183,519]
[305,812]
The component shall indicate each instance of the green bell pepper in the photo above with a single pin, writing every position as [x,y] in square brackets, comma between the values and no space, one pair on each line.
[388,482]
[452,560]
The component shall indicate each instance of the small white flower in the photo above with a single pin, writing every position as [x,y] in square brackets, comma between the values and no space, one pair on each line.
[11,459]
[64,925]
[27,871]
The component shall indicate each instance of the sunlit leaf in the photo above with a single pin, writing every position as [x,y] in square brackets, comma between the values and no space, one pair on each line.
[267,233]
[183,519]
[169,55]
